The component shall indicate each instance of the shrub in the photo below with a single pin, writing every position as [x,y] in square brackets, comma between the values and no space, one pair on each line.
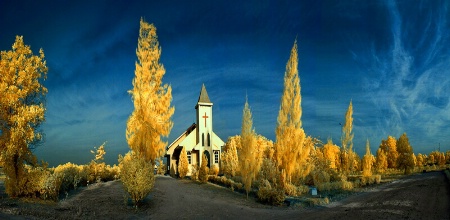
[183,164]
[269,194]
[214,170]
[194,172]
[161,169]
[369,180]
[50,186]
[203,172]
[137,176]
[339,185]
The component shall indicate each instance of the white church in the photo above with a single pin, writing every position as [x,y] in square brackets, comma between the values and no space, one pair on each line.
[198,139]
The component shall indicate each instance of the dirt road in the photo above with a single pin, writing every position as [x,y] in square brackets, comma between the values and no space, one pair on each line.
[422,196]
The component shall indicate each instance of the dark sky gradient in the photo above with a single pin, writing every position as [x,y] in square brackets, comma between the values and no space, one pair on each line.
[391,58]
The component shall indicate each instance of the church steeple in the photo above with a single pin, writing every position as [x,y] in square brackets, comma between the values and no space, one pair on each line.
[204,118]
[203,95]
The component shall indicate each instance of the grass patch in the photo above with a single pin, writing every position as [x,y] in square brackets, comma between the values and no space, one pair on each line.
[307,201]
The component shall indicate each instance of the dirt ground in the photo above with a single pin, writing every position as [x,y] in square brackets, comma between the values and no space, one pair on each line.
[421,196]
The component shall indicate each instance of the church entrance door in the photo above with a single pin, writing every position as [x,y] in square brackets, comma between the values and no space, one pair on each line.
[208,156]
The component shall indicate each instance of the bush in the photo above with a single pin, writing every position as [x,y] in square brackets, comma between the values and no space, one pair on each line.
[137,176]
[214,170]
[369,180]
[183,164]
[50,186]
[194,172]
[340,185]
[203,172]
[269,194]
[161,169]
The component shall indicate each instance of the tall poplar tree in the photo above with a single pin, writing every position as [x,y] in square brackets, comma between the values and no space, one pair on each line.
[22,98]
[347,159]
[367,161]
[151,118]
[289,146]
[183,164]
[405,158]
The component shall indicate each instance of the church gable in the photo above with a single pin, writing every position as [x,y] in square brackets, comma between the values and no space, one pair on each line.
[198,139]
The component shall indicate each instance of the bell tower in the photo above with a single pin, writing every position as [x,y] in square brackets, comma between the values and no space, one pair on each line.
[204,119]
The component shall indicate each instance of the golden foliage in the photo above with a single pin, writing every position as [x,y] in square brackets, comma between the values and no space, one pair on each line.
[405,158]
[270,194]
[136,175]
[367,161]
[161,169]
[151,118]
[271,188]
[389,146]
[331,154]
[381,163]
[21,110]
[250,154]
[290,153]
[420,160]
[194,172]
[347,161]
[204,170]
[183,164]
[214,170]
[229,162]
[99,153]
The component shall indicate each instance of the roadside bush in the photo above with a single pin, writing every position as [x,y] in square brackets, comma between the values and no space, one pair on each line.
[204,170]
[340,185]
[50,186]
[269,194]
[136,175]
[70,174]
[183,164]
[194,172]
[161,169]
[214,170]
[369,180]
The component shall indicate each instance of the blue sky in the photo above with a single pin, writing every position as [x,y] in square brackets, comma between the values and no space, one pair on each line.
[392,58]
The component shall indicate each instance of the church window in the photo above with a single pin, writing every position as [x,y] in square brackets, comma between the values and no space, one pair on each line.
[203,139]
[209,141]
[216,156]
[189,157]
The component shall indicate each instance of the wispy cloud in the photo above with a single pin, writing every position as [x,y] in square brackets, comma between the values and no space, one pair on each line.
[411,86]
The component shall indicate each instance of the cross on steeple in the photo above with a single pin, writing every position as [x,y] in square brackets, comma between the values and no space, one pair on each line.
[205,117]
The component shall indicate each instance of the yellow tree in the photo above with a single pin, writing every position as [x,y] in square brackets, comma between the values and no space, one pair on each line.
[331,154]
[389,146]
[290,152]
[347,154]
[419,160]
[405,158]
[151,118]
[381,161]
[183,164]
[250,154]
[229,163]
[204,170]
[21,110]
[367,161]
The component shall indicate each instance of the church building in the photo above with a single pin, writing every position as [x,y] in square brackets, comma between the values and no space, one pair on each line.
[198,139]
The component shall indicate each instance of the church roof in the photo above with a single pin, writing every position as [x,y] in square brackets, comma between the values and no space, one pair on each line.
[203,95]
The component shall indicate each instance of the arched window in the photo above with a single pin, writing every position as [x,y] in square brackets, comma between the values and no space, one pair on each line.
[189,157]
[209,140]
[203,139]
